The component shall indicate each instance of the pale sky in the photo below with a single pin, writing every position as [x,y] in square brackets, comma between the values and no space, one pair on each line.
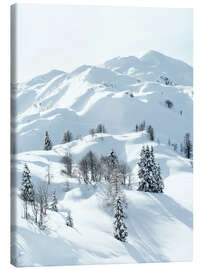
[65,37]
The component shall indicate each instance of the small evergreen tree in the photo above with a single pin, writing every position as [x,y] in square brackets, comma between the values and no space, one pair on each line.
[48,143]
[67,137]
[150,132]
[187,146]
[69,219]
[54,202]
[149,172]
[120,229]
[27,190]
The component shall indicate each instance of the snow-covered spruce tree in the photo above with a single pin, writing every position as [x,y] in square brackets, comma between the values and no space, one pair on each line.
[69,219]
[187,146]
[27,190]
[54,201]
[120,229]
[149,172]
[67,137]
[47,143]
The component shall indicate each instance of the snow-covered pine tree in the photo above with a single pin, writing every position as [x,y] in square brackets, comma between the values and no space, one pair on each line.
[69,219]
[47,143]
[54,201]
[27,190]
[120,229]
[149,172]
[158,184]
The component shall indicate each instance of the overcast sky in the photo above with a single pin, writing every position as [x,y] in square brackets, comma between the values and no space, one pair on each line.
[65,37]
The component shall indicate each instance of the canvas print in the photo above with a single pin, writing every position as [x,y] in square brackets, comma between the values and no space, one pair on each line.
[101,135]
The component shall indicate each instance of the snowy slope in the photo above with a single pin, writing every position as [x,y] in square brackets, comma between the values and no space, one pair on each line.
[159,225]
[151,66]
[108,94]
[120,93]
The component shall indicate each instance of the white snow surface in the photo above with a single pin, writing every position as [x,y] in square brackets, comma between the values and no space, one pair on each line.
[107,94]
[159,225]
[119,94]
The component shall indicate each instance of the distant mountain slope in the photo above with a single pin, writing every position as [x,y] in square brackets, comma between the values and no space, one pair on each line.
[112,94]
[151,66]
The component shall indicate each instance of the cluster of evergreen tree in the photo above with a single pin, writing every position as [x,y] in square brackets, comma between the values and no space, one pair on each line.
[149,129]
[67,137]
[100,128]
[149,172]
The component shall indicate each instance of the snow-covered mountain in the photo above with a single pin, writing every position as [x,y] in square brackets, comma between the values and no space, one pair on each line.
[120,93]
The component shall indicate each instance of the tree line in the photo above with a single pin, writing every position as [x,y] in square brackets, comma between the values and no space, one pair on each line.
[114,173]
